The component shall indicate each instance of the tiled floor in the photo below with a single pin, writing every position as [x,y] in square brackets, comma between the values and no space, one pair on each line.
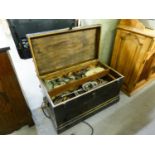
[131,115]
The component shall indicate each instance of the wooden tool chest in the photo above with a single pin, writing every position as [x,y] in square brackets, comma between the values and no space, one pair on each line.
[74,81]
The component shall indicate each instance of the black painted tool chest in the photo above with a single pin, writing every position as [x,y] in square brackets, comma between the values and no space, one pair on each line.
[76,84]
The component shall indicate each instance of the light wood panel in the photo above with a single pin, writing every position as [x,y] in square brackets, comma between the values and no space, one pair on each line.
[55,51]
[74,68]
[132,54]
[14,112]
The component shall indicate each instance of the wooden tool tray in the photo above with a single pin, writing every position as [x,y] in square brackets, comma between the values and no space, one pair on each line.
[76,83]
[60,52]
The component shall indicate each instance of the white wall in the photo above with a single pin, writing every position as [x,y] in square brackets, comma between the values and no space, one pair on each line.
[107,36]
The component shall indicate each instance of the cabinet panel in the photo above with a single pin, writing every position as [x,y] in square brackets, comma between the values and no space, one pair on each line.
[7,114]
[14,112]
[150,70]
[128,55]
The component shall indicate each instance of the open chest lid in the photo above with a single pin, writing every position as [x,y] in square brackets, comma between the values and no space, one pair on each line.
[55,50]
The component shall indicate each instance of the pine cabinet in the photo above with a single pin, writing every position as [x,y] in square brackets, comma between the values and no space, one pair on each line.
[134,56]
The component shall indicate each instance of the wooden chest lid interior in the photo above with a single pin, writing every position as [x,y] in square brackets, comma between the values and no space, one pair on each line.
[60,49]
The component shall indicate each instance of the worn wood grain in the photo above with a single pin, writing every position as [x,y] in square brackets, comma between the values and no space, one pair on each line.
[74,68]
[131,54]
[14,112]
[55,51]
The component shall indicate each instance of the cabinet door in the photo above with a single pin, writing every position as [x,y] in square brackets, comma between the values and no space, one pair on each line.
[14,112]
[152,68]
[149,67]
[8,118]
[150,71]
[128,55]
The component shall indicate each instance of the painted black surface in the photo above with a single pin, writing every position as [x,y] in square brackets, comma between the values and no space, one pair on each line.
[60,129]
[80,108]
[83,103]
[4,49]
